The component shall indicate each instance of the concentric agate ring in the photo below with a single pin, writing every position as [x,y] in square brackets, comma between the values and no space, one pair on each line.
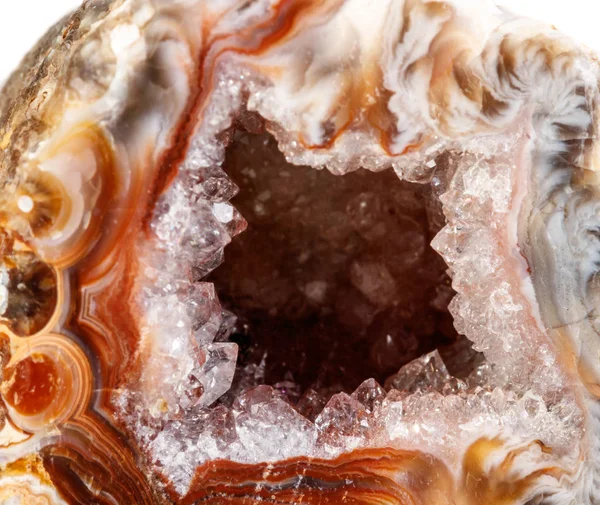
[143,362]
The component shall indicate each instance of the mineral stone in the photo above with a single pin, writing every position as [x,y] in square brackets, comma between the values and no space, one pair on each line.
[224,224]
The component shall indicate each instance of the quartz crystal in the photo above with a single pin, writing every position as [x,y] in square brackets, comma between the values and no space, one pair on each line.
[336,251]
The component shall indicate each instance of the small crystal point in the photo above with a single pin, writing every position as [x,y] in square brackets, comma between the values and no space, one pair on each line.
[228,322]
[270,427]
[256,396]
[370,394]
[311,404]
[216,373]
[205,312]
[343,415]
[428,371]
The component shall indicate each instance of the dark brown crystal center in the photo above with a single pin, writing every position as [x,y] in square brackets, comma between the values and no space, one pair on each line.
[334,280]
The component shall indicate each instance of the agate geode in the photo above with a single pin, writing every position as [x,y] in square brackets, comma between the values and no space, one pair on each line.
[406,309]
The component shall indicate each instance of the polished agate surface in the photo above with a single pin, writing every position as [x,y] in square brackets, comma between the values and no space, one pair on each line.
[300,251]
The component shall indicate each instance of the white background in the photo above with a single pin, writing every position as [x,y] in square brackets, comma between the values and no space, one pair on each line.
[23,21]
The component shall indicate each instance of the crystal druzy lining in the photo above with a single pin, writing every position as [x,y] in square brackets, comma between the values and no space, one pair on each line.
[300,251]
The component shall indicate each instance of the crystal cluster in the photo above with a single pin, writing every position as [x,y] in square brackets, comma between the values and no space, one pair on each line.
[269,281]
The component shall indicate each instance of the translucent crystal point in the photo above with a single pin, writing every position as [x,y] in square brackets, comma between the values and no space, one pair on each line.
[216,373]
[343,422]
[428,371]
[270,428]
[370,394]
